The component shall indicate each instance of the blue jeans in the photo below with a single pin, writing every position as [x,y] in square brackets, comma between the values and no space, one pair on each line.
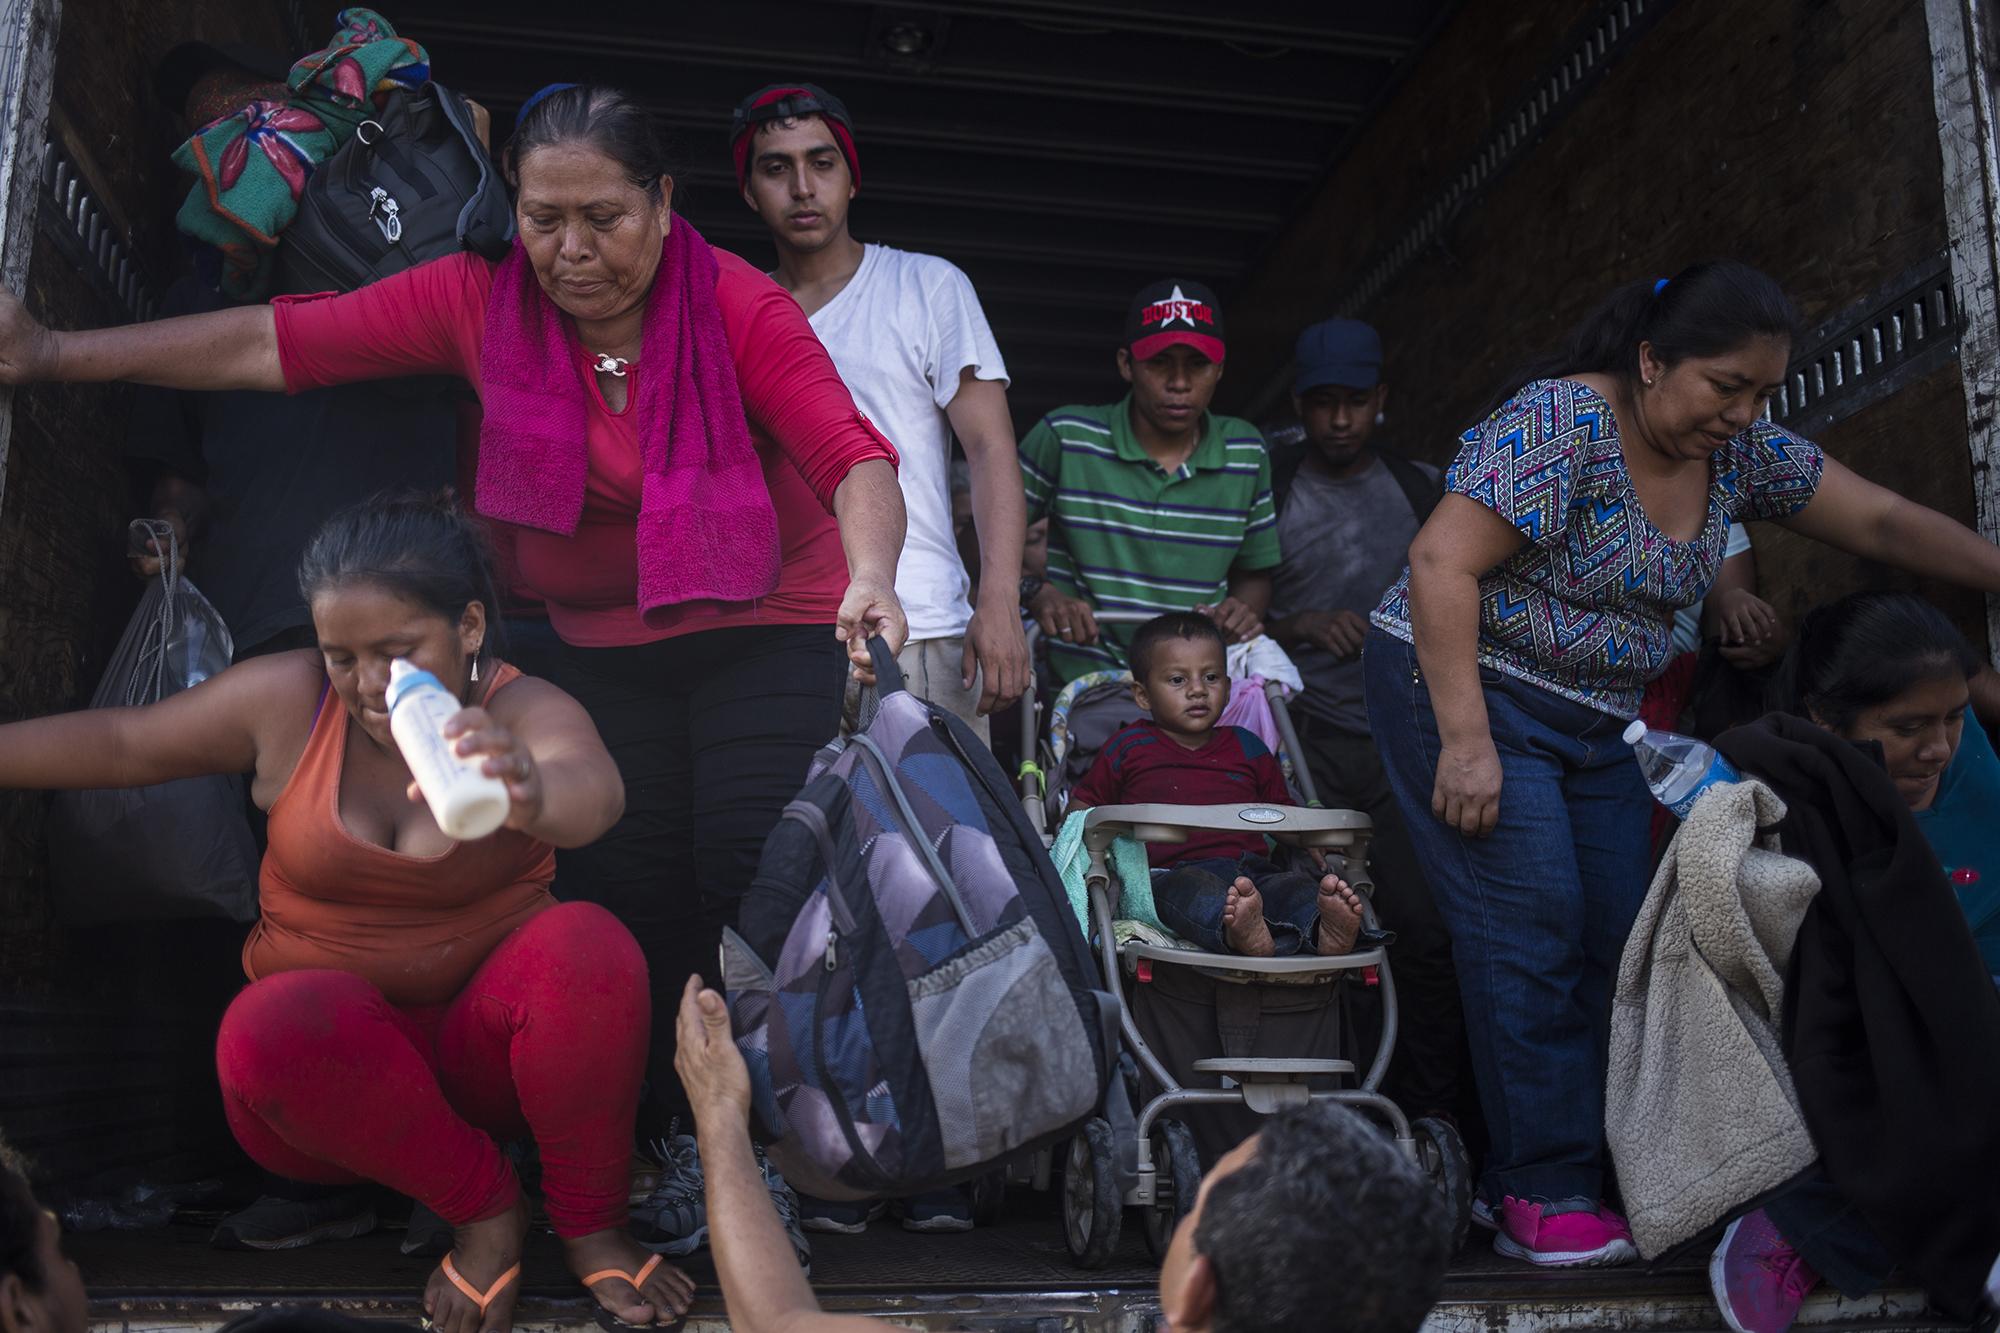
[1189,899]
[1538,910]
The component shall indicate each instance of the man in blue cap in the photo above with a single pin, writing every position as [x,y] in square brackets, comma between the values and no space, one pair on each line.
[1347,511]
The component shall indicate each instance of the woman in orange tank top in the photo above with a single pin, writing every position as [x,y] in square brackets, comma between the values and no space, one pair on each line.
[412,998]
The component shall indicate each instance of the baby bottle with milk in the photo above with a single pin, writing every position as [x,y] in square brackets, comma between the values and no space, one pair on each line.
[466,803]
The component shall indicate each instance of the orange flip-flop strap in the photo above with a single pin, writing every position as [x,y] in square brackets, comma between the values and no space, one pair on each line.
[638,1279]
[472,1293]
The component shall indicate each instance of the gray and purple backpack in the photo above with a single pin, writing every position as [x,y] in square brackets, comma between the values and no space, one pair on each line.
[907,982]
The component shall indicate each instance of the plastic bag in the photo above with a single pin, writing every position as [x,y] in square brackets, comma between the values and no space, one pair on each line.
[178,849]
[142,1207]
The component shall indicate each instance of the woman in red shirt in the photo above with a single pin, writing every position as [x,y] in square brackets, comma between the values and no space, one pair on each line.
[701,577]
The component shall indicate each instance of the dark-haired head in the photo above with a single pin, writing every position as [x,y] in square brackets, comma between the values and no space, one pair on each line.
[1703,311]
[40,1289]
[593,197]
[1180,674]
[1190,625]
[1318,1212]
[796,165]
[1696,356]
[1886,667]
[401,575]
[604,119]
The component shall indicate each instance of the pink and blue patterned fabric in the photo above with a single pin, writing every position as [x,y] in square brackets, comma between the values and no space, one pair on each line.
[1585,609]
[254,160]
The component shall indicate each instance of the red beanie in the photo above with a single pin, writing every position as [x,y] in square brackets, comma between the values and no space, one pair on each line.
[806,100]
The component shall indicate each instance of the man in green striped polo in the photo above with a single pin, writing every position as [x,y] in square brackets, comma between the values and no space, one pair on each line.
[1154,503]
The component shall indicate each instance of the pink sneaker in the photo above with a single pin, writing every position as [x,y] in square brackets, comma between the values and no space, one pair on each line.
[1567,1240]
[1758,1279]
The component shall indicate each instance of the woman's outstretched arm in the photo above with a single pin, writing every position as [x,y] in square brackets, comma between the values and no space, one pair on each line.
[868,505]
[219,726]
[1856,515]
[223,349]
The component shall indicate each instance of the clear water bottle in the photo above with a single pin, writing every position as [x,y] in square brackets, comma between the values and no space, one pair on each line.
[1678,768]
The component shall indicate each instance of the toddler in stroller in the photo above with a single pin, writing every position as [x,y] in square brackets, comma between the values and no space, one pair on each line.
[1082,717]
[1218,889]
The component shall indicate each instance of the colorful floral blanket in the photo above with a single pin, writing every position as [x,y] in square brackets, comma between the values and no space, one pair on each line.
[254,162]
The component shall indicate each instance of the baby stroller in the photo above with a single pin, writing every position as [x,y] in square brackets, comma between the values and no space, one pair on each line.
[1277,1021]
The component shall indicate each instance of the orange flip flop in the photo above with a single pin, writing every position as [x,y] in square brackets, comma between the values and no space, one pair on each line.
[482,1299]
[607,1320]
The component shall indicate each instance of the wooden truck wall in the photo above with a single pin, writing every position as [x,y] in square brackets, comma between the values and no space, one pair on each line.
[105,1035]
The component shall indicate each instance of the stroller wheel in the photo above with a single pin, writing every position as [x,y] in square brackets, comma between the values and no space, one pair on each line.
[1093,1205]
[1176,1177]
[1441,1153]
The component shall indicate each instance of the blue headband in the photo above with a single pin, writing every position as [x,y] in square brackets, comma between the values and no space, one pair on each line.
[1658,287]
[541,95]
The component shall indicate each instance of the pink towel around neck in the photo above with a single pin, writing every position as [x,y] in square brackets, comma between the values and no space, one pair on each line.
[707,529]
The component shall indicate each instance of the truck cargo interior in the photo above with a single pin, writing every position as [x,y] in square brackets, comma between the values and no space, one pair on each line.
[1468,177]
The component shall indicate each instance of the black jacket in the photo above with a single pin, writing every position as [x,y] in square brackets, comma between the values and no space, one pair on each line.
[1892,1025]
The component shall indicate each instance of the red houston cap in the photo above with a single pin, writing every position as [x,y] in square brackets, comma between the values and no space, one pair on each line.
[1174,311]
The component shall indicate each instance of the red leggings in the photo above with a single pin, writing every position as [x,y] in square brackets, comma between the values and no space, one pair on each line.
[324,1080]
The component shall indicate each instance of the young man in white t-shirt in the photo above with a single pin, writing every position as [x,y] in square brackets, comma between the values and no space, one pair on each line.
[907,334]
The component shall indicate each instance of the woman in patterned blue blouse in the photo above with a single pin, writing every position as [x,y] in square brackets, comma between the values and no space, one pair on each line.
[1503,667]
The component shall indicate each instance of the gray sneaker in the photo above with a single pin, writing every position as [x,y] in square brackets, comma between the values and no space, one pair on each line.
[673,1220]
[786,1200]
[428,1235]
[273,1223]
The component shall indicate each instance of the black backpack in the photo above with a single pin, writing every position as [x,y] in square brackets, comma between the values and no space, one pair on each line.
[413,184]
[907,981]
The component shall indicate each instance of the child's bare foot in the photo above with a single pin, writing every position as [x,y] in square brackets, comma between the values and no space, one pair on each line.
[1243,926]
[1339,916]
[661,1298]
[482,1253]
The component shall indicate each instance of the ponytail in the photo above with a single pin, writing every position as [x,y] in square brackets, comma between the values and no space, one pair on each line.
[1704,310]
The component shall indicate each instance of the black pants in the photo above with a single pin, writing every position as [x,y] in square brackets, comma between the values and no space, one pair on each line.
[712,733]
[1425,1074]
